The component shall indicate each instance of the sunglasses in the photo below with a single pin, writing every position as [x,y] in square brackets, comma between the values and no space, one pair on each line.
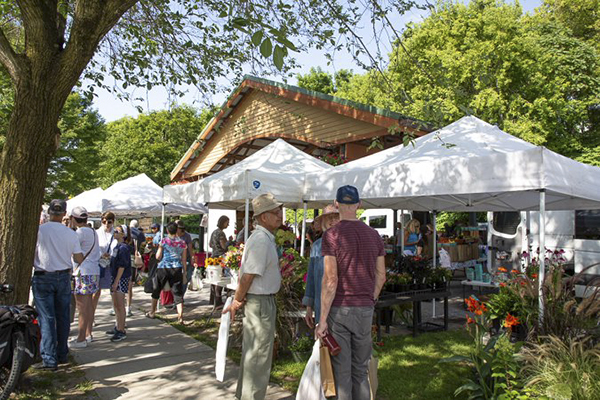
[107,221]
[119,232]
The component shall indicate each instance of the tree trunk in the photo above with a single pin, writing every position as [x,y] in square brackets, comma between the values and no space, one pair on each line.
[33,126]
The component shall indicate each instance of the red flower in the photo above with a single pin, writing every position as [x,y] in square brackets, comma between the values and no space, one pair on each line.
[534,276]
[470,320]
[502,269]
[510,321]
[503,284]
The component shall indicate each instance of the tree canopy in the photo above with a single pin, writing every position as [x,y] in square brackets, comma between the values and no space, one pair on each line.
[151,143]
[529,74]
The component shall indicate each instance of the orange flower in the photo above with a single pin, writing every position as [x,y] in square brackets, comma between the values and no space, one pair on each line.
[472,304]
[514,271]
[534,276]
[510,321]
[503,284]
[480,310]
[502,269]
[470,320]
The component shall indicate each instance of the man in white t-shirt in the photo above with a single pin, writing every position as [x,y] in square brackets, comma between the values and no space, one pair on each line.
[51,283]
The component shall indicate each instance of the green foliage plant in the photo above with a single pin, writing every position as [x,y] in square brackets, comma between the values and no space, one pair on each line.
[493,359]
[563,369]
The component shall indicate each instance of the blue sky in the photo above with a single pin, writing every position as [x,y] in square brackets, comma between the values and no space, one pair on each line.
[157,99]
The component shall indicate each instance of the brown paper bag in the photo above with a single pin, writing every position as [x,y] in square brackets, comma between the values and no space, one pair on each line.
[373,380]
[327,380]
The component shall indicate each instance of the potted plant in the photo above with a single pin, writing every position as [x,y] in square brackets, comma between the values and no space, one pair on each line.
[232,261]
[404,280]
[301,349]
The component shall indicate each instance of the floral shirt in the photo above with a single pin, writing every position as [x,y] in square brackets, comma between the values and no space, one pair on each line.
[173,249]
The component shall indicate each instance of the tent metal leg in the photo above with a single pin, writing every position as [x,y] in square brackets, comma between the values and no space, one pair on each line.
[542,255]
[303,239]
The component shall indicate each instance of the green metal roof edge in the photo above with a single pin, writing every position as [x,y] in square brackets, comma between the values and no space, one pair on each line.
[345,102]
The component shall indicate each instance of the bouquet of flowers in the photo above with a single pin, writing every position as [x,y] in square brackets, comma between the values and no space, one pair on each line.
[233,258]
[213,261]
[293,267]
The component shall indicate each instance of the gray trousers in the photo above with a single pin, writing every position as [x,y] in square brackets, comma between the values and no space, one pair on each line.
[351,327]
[257,347]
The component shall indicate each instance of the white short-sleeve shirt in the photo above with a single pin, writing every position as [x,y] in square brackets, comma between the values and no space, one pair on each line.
[55,245]
[260,258]
[88,241]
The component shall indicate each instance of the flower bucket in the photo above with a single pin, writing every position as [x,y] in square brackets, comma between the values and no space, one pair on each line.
[234,277]
[214,274]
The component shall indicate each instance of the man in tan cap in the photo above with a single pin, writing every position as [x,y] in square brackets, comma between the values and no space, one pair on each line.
[260,280]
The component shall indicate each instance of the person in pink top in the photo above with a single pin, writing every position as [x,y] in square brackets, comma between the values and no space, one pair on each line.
[354,275]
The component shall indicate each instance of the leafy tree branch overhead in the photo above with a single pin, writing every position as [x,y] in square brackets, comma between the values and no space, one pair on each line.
[46,47]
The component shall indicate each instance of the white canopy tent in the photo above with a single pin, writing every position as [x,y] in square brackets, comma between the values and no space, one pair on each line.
[469,165]
[278,168]
[140,196]
[91,200]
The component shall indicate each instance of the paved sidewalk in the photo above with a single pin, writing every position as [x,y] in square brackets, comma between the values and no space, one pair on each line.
[156,361]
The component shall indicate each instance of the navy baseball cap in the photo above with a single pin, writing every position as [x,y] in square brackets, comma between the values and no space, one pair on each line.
[347,195]
[57,207]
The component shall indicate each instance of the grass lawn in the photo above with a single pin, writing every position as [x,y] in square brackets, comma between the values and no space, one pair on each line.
[408,367]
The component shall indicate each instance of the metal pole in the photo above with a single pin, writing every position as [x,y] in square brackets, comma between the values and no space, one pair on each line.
[162,221]
[402,232]
[528,239]
[295,227]
[302,240]
[490,221]
[247,208]
[542,255]
[434,238]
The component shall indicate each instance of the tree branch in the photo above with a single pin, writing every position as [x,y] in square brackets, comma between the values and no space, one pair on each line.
[9,58]
[41,28]
[92,20]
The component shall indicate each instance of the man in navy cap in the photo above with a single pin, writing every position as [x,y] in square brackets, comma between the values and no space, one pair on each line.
[353,277]
[51,283]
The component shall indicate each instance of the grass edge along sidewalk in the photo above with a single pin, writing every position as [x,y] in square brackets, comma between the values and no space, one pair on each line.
[408,367]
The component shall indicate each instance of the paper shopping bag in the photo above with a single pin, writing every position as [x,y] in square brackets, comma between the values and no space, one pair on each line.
[327,380]
[373,380]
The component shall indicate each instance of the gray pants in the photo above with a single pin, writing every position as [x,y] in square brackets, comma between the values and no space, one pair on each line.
[351,327]
[257,347]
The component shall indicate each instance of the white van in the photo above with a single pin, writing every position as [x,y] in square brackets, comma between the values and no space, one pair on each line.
[575,232]
[382,220]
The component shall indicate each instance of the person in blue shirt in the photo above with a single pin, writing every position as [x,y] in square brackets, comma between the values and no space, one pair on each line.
[172,257]
[120,271]
[312,296]
[412,236]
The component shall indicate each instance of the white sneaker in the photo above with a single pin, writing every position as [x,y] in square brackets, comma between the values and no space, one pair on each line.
[74,344]
[112,311]
[89,339]
[129,313]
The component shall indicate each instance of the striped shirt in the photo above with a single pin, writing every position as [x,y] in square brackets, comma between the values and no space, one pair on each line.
[356,247]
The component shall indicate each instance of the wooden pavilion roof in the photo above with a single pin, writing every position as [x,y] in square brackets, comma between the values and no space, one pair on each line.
[259,111]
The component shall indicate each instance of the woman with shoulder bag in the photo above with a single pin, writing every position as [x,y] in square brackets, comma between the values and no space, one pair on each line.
[106,242]
[86,277]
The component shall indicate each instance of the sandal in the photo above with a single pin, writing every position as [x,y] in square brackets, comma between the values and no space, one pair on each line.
[148,315]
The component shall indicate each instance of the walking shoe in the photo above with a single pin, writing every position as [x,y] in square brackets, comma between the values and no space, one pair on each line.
[74,344]
[112,331]
[89,339]
[129,313]
[112,311]
[44,367]
[118,336]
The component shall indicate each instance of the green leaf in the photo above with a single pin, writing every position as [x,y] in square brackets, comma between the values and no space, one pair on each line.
[266,48]
[278,57]
[257,38]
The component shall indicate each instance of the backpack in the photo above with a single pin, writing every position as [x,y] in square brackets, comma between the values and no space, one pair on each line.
[22,318]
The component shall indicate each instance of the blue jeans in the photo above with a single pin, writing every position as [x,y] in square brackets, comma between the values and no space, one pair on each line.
[52,294]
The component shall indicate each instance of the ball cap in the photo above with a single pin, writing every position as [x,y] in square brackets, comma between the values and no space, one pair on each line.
[57,207]
[263,203]
[347,195]
[79,212]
